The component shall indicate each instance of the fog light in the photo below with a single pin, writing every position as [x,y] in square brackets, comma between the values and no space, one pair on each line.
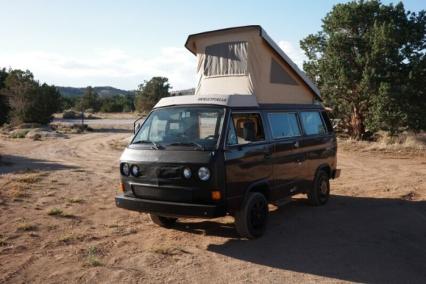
[135,171]
[216,195]
[125,169]
[187,173]
[204,173]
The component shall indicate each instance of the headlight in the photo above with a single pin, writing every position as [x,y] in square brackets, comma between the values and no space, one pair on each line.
[135,171]
[125,169]
[204,173]
[187,173]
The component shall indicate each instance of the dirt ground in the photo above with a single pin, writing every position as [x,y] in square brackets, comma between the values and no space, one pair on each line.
[59,223]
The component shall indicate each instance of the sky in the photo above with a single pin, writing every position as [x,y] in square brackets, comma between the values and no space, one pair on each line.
[122,43]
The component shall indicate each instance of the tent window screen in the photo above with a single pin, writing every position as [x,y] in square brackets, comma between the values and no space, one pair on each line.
[279,75]
[224,59]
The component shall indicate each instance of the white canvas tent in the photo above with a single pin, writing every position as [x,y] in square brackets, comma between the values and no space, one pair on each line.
[243,64]
[246,61]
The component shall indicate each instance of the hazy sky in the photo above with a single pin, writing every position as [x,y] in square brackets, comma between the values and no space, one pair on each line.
[123,43]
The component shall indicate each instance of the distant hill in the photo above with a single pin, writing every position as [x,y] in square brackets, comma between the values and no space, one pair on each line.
[104,91]
[183,92]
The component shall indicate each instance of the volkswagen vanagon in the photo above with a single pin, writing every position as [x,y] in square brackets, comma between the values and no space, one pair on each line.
[254,133]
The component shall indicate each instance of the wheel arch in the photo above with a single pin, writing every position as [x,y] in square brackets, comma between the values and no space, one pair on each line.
[261,186]
[323,167]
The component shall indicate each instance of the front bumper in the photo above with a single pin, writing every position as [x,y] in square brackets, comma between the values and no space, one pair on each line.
[167,208]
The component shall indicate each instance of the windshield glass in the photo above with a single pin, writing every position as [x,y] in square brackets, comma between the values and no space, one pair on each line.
[197,127]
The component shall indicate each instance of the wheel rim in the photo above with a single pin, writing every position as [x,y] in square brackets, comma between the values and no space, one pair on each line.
[324,190]
[258,214]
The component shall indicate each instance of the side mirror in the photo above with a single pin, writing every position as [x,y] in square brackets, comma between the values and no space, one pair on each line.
[136,128]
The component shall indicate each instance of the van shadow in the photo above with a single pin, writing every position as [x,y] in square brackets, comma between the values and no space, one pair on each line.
[12,163]
[112,130]
[351,238]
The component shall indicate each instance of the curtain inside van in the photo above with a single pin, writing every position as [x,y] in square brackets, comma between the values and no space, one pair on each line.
[224,59]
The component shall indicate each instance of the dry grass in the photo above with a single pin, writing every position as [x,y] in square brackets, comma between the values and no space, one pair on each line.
[75,200]
[55,212]
[168,251]
[119,144]
[29,178]
[60,213]
[26,227]
[18,191]
[405,143]
[92,256]
[66,238]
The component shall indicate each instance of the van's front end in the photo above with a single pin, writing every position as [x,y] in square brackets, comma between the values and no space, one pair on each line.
[173,166]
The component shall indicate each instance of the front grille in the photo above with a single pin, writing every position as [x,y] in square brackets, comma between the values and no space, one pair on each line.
[162,193]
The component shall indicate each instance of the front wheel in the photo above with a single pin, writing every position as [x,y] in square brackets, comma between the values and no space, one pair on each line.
[162,221]
[251,220]
[320,191]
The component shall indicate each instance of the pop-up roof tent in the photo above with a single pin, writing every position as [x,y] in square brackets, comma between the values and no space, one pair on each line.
[244,65]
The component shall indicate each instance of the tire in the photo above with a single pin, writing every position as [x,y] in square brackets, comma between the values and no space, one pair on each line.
[251,220]
[165,222]
[320,191]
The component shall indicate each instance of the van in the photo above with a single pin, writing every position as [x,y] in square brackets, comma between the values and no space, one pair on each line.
[213,154]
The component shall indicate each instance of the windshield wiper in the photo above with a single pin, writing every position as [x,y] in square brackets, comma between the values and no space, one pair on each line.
[156,146]
[199,146]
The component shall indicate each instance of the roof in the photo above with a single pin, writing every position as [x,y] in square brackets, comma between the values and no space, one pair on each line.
[268,40]
[222,100]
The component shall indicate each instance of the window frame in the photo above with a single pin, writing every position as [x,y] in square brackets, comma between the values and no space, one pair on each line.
[301,130]
[265,134]
[322,121]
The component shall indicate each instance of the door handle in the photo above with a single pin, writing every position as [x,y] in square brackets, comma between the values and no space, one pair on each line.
[296,144]
[267,155]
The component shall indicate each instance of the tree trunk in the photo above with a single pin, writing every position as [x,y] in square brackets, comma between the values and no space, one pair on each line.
[357,124]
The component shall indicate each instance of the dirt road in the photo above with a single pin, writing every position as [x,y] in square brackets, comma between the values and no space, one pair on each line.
[59,223]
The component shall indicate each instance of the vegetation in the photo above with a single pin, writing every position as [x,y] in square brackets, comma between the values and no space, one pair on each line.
[22,99]
[150,92]
[369,63]
[90,100]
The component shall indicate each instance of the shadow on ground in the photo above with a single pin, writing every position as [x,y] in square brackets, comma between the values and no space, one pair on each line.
[12,163]
[112,130]
[351,238]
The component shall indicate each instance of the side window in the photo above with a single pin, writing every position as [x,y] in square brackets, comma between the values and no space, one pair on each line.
[327,121]
[232,134]
[245,128]
[312,123]
[283,124]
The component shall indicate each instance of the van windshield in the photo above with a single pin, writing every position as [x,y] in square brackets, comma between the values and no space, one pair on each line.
[195,127]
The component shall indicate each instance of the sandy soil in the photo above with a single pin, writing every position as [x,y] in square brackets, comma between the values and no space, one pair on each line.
[59,223]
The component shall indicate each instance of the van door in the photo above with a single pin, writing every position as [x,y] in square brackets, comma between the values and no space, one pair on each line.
[318,144]
[287,158]
[247,155]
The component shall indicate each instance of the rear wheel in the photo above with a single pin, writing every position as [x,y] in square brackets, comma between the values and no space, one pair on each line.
[162,221]
[251,220]
[320,191]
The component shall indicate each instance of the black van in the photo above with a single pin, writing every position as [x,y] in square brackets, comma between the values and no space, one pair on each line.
[209,159]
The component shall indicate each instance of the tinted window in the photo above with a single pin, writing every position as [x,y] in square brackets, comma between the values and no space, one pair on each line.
[283,125]
[327,121]
[245,128]
[312,123]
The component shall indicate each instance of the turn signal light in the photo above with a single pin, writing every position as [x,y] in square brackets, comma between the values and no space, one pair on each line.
[122,188]
[216,195]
